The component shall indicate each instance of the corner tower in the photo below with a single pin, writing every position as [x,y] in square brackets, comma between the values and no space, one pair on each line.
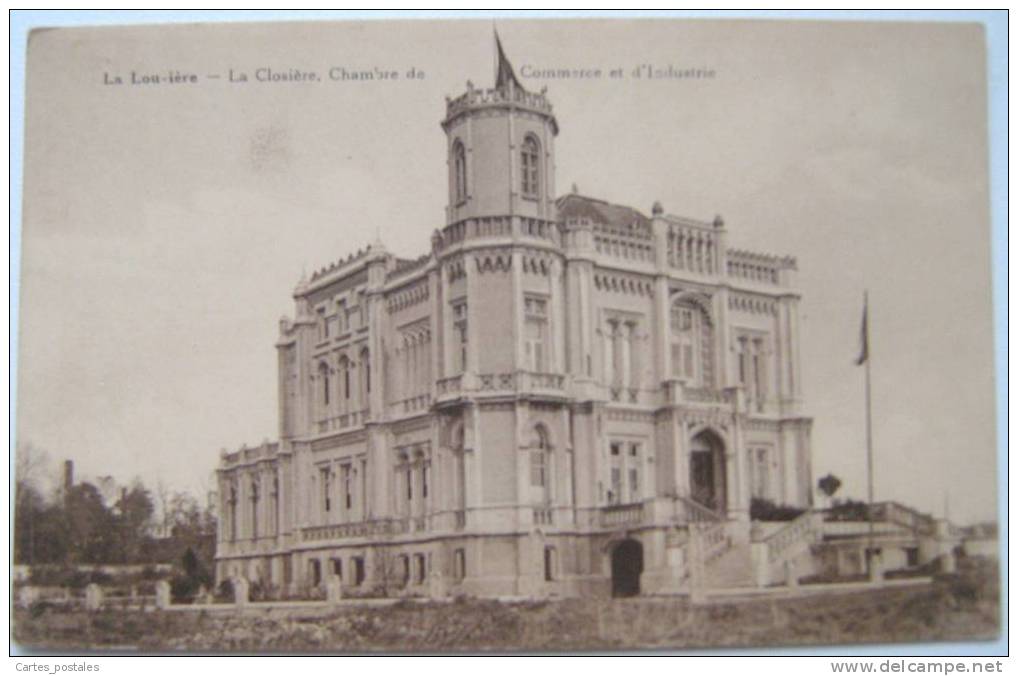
[500,145]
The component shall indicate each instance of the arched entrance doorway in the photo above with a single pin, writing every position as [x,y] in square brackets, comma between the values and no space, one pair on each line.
[707,483]
[627,565]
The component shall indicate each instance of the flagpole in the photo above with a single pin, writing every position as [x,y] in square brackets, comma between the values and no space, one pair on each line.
[869,437]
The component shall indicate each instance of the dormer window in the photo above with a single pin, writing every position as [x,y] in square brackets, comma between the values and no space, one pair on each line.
[530,175]
[459,168]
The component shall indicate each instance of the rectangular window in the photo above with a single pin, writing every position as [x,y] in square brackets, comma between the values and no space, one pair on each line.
[615,495]
[420,568]
[549,564]
[347,471]
[337,568]
[341,317]
[535,330]
[634,484]
[358,570]
[316,572]
[460,564]
[538,467]
[323,327]
[459,315]
[404,569]
[424,481]
[687,361]
[323,480]
[761,473]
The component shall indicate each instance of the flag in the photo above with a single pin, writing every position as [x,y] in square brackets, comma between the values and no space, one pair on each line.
[864,333]
[504,73]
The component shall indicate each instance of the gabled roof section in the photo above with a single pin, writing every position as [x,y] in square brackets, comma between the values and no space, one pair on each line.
[599,212]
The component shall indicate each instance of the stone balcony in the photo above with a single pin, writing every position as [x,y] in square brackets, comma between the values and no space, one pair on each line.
[343,421]
[410,406]
[513,383]
[677,392]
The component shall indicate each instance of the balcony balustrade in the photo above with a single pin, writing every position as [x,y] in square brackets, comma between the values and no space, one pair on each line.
[622,515]
[543,516]
[343,421]
[502,383]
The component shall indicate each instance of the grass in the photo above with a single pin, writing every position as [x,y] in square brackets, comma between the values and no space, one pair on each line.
[965,606]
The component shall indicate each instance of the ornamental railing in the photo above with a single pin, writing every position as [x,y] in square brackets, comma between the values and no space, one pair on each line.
[622,515]
[800,529]
[343,421]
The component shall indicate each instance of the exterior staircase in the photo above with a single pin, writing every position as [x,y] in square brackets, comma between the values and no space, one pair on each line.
[719,556]
[731,568]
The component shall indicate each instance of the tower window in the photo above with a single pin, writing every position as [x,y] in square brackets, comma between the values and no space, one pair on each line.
[459,164]
[529,167]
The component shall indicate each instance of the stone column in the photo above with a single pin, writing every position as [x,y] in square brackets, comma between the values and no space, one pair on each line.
[333,589]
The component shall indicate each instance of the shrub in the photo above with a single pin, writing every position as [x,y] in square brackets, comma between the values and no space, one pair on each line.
[761,509]
[849,510]
[182,588]
[224,592]
[99,577]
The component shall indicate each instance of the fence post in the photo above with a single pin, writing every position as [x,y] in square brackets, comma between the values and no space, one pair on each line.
[162,594]
[240,592]
[93,597]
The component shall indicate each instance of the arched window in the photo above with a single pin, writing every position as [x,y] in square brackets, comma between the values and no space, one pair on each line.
[529,173]
[459,164]
[539,459]
[684,321]
[274,505]
[366,374]
[323,375]
[254,507]
[232,508]
[456,444]
[344,369]
[692,349]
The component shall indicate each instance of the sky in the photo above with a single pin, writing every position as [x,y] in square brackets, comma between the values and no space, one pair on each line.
[166,225]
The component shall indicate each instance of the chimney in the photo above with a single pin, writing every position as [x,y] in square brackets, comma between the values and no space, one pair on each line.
[68,474]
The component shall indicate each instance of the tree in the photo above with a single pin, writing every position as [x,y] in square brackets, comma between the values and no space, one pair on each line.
[92,527]
[829,485]
[133,521]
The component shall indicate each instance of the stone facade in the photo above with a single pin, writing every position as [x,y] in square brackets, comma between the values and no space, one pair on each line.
[564,396]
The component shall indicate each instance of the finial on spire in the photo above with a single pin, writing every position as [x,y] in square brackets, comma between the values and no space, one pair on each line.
[576,190]
[657,209]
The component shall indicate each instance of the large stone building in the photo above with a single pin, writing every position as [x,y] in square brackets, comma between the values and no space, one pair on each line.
[564,396]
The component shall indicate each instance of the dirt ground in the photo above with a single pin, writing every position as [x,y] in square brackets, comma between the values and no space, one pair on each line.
[959,607]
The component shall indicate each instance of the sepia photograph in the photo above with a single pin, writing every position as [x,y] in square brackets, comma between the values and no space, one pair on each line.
[506,335]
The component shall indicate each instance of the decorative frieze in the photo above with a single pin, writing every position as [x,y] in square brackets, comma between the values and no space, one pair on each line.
[622,283]
[626,415]
[753,304]
[408,296]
